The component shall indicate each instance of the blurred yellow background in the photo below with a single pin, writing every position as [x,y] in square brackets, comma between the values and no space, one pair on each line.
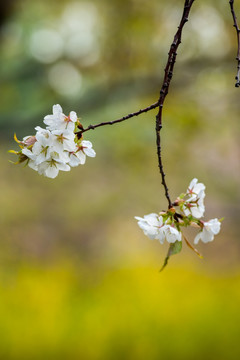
[78,278]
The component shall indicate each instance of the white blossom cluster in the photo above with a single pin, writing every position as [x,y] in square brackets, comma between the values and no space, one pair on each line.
[154,226]
[167,225]
[56,147]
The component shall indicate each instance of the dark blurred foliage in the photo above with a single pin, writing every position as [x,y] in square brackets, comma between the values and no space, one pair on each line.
[54,52]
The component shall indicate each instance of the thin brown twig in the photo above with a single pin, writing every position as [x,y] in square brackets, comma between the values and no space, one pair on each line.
[141,111]
[163,93]
[164,89]
[237,78]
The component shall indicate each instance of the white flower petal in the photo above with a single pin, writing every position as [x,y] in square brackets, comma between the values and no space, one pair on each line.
[138,218]
[213,226]
[197,238]
[41,158]
[73,116]
[28,153]
[37,148]
[172,234]
[152,219]
[195,195]
[210,228]
[86,143]
[193,183]
[207,236]
[57,109]
[32,165]
[81,156]
[186,211]
[197,211]
[89,152]
[51,172]
[195,187]
[73,160]
[69,126]
[161,236]
[63,167]
[151,226]
[199,187]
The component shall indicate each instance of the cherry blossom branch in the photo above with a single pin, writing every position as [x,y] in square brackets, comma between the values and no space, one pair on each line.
[164,89]
[141,111]
[231,2]
[163,93]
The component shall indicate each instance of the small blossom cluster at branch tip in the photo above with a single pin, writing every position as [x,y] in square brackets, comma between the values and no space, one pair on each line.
[56,147]
[167,225]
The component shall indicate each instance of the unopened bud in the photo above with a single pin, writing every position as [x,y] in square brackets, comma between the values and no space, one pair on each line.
[172,211]
[30,141]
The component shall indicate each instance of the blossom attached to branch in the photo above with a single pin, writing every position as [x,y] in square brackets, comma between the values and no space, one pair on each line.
[167,225]
[159,227]
[56,148]
[209,229]
[192,201]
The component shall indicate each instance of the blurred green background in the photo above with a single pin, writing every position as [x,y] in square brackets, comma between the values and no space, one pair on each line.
[78,279]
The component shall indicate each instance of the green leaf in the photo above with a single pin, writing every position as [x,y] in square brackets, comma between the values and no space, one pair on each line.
[174,248]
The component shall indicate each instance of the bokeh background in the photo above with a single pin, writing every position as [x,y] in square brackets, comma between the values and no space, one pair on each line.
[78,279]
